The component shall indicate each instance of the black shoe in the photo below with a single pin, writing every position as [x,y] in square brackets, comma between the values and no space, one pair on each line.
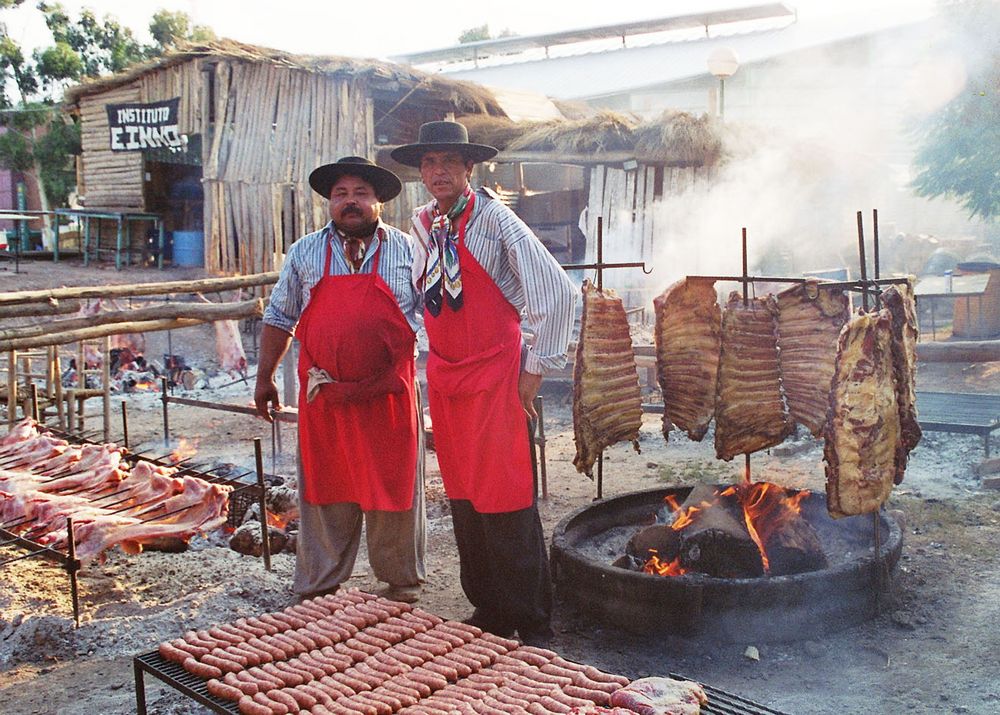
[537,637]
[489,624]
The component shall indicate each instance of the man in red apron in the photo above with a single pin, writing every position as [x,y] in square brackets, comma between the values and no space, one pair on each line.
[479,268]
[346,292]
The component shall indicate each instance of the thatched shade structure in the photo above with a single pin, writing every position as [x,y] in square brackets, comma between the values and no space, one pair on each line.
[673,139]
[255,122]
[630,170]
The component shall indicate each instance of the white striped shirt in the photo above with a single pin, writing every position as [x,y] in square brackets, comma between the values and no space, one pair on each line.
[526,273]
[304,267]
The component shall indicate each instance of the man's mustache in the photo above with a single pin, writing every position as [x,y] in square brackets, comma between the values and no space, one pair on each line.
[352,210]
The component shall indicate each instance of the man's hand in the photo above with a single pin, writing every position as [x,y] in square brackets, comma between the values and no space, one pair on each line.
[527,388]
[265,394]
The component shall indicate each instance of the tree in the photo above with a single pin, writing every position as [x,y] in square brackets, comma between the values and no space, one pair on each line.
[959,157]
[40,140]
[476,34]
[171,28]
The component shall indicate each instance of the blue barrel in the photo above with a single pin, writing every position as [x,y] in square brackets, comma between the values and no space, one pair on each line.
[189,248]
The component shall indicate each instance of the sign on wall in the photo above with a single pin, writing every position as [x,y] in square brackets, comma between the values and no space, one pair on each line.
[135,127]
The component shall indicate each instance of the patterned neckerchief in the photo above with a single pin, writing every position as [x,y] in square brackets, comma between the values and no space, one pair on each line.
[443,268]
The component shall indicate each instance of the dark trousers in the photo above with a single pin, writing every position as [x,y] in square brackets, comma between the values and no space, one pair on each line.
[505,567]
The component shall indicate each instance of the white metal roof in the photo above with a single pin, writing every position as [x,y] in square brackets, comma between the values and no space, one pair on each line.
[600,73]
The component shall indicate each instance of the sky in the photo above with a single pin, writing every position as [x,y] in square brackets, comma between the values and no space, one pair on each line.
[380,30]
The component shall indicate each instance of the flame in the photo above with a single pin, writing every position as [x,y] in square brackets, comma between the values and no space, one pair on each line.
[661,568]
[185,450]
[144,385]
[767,508]
[278,521]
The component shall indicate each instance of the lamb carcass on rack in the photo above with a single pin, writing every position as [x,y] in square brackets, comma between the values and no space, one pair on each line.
[750,411]
[901,304]
[862,431]
[607,405]
[688,336]
[810,319]
[661,696]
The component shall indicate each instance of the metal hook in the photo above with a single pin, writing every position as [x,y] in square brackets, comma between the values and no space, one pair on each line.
[644,269]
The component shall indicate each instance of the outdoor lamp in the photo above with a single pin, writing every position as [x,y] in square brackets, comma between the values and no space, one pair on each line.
[723,63]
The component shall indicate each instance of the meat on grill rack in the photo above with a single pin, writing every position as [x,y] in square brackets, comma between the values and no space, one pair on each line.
[113,498]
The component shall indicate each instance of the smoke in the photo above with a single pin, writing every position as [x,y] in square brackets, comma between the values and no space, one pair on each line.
[833,138]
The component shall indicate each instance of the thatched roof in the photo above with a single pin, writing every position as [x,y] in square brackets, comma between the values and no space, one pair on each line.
[466,96]
[674,138]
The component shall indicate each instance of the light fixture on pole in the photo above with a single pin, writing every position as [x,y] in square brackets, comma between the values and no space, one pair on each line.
[723,63]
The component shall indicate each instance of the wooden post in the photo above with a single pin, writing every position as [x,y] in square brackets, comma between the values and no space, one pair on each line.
[86,239]
[70,410]
[118,246]
[49,371]
[106,379]
[60,407]
[11,388]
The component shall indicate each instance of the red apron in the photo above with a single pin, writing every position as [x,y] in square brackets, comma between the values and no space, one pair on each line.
[480,429]
[358,437]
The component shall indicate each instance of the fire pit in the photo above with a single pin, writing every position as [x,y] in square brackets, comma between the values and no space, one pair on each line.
[768,608]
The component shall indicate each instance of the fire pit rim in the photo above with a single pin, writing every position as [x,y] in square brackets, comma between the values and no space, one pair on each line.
[561,541]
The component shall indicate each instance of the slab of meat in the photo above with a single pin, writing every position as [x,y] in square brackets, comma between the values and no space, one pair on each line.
[809,322]
[750,412]
[229,344]
[901,304]
[661,696]
[607,406]
[688,335]
[862,432]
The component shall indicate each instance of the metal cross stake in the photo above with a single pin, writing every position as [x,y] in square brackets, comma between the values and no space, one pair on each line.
[600,266]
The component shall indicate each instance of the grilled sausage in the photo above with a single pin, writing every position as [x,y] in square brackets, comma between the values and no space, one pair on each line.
[172,652]
[276,706]
[507,643]
[224,636]
[222,662]
[249,706]
[247,687]
[222,690]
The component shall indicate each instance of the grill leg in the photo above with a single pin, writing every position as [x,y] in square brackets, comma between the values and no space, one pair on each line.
[140,689]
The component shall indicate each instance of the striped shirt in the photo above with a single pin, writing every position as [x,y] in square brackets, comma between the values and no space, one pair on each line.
[528,275]
[304,267]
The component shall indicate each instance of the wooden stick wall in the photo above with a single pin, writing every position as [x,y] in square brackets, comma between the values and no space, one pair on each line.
[272,125]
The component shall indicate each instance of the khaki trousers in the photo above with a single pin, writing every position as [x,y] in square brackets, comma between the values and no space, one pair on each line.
[330,536]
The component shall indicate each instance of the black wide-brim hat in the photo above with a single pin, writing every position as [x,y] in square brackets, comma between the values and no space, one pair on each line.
[387,185]
[442,136]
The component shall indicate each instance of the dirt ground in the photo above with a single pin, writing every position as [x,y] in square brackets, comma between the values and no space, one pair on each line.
[933,649]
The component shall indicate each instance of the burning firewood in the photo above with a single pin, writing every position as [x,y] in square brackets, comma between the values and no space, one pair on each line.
[247,539]
[716,540]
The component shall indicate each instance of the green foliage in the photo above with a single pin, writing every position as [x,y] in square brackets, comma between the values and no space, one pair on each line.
[15,152]
[40,139]
[54,151]
[171,28]
[959,155]
[58,62]
[475,34]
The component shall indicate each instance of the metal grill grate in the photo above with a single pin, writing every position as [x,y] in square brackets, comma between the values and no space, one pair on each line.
[719,701]
[174,675]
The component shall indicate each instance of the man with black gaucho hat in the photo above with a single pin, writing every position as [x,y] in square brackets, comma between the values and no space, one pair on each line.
[346,293]
[481,269]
